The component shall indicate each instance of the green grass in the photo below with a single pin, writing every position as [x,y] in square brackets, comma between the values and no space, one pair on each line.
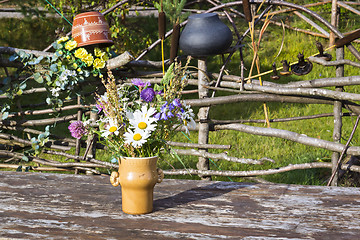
[283,152]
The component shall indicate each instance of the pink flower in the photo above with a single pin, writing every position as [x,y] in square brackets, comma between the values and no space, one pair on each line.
[77,129]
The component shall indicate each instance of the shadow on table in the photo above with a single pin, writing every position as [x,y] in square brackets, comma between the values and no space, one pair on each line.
[198,194]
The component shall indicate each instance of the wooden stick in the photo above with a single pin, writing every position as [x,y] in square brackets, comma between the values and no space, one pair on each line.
[288,168]
[218,122]
[346,6]
[333,63]
[18,140]
[346,147]
[42,122]
[292,136]
[305,92]
[195,145]
[48,111]
[222,156]
[312,23]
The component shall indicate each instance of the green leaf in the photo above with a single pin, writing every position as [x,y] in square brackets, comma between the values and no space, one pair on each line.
[5,115]
[168,75]
[22,86]
[19,92]
[13,57]
[38,78]
[23,54]
[47,78]
[53,67]
[25,158]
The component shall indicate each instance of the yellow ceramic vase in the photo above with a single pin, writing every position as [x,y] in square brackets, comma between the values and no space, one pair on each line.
[137,177]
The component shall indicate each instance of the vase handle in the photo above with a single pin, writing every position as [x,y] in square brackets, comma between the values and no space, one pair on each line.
[160,175]
[114,179]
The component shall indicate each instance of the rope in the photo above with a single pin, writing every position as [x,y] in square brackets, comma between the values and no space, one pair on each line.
[58,12]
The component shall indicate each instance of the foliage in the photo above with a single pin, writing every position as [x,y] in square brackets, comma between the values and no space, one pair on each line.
[137,119]
[61,73]
[173,10]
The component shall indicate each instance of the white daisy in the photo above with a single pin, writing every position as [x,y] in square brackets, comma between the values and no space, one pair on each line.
[136,138]
[142,119]
[111,128]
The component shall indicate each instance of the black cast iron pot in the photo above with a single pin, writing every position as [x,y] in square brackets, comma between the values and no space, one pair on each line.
[205,34]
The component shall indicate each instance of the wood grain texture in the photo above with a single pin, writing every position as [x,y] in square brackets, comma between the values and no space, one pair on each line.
[61,206]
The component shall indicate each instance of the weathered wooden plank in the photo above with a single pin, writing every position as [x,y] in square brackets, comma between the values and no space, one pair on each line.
[59,206]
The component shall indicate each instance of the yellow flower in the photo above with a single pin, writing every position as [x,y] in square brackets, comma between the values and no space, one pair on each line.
[75,65]
[63,39]
[98,63]
[70,45]
[88,59]
[81,53]
[68,57]
[79,69]
[105,57]
[97,52]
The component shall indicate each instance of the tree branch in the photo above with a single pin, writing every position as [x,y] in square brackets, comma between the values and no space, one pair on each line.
[292,136]
[222,156]
[288,168]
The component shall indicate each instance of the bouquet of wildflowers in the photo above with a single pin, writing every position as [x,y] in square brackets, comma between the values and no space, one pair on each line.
[137,118]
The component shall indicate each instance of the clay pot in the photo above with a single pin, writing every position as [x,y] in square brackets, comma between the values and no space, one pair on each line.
[91,28]
[205,34]
[137,177]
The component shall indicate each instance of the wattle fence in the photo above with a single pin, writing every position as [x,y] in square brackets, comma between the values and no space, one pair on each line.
[18,129]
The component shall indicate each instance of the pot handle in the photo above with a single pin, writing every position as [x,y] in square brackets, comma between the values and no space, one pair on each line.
[115,179]
[160,175]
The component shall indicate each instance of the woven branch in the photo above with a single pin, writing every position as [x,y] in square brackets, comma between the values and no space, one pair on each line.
[222,156]
[257,172]
[195,145]
[256,98]
[48,111]
[292,136]
[304,92]
[333,63]
[13,139]
[42,122]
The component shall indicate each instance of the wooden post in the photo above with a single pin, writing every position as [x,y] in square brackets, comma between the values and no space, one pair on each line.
[78,141]
[203,115]
[334,21]
[91,140]
[337,115]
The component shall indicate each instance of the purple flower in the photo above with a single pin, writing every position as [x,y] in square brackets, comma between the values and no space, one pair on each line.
[163,116]
[138,82]
[99,107]
[163,107]
[147,94]
[158,92]
[77,129]
[171,107]
[157,115]
[170,114]
[176,102]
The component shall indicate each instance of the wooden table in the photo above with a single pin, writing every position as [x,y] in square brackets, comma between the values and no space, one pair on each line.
[59,206]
